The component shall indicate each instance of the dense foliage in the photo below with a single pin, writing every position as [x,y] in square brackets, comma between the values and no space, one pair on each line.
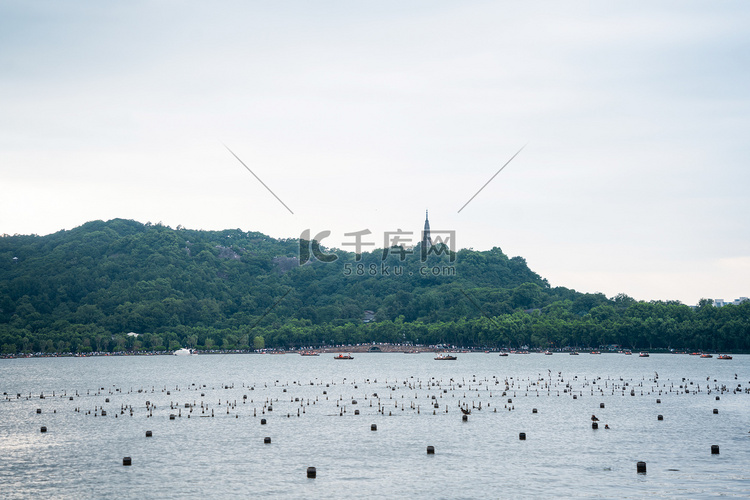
[85,289]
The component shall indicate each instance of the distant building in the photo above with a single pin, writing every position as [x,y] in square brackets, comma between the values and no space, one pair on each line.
[369,316]
[735,302]
[426,239]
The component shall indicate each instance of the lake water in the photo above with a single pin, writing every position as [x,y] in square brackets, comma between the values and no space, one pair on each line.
[197,455]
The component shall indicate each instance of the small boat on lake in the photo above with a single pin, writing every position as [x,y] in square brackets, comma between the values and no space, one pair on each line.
[724,356]
[706,355]
[343,356]
[503,354]
[308,353]
[445,357]
[548,353]
[185,352]
[643,355]
[574,353]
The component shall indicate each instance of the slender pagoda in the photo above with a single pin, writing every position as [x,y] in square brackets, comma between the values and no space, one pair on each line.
[426,239]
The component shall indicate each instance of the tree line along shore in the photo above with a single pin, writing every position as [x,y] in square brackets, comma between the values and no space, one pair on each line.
[123,286]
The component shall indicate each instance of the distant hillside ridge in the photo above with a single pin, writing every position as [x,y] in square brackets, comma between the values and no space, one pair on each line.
[85,289]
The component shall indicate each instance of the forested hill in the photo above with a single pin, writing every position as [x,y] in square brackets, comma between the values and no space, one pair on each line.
[84,289]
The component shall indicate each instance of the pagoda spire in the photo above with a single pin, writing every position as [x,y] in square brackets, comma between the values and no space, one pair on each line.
[426,239]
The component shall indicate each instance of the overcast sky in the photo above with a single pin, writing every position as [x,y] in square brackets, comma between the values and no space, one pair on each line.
[360,115]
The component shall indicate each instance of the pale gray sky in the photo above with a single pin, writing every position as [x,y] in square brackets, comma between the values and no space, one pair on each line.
[363,114]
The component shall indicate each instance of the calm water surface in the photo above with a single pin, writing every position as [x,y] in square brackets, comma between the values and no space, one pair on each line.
[197,455]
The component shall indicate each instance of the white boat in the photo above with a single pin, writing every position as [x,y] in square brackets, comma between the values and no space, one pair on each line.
[184,352]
